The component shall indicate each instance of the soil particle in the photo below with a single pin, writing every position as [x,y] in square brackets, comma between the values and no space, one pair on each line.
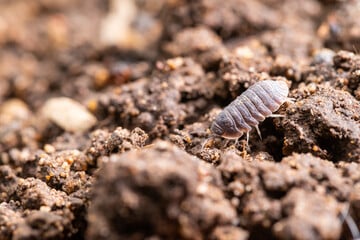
[300,206]
[60,170]
[36,211]
[244,68]
[155,74]
[15,125]
[229,233]
[120,140]
[43,225]
[33,194]
[129,27]
[173,96]
[226,18]
[341,72]
[67,141]
[323,56]
[207,49]
[8,183]
[323,121]
[10,218]
[121,72]
[13,110]
[164,191]
[340,29]
[322,172]
[41,22]
[262,190]
[349,62]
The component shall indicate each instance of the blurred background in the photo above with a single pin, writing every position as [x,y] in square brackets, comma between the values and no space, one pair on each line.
[43,42]
[168,67]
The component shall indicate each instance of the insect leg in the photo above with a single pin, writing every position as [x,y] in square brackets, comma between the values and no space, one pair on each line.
[245,146]
[226,143]
[276,115]
[258,131]
[290,100]
[205,143]
[349,221]
[352,226]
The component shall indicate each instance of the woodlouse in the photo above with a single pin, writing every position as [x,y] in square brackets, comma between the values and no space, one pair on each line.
[251,107]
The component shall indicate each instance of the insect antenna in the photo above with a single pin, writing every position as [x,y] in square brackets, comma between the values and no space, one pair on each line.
[355,49]
[349,221]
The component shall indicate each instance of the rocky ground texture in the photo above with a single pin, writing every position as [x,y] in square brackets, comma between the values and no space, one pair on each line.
[105,108]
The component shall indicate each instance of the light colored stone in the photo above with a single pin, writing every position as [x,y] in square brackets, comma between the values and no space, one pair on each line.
[13,110]
[127,27]
[68,114]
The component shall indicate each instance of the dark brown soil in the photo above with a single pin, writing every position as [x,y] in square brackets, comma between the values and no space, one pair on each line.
[105,108]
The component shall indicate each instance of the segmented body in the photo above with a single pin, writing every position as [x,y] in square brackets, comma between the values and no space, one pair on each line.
[251,107]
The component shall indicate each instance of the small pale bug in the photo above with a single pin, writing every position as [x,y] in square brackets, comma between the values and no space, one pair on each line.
[251,107]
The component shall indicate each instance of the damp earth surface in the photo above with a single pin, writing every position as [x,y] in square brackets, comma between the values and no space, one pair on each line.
[105,110]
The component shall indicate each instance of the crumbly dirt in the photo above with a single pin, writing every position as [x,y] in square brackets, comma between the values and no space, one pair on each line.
[105,109]
[188,204]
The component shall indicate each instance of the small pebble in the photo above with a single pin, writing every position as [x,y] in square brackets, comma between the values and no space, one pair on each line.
[13,110]
[68,114]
